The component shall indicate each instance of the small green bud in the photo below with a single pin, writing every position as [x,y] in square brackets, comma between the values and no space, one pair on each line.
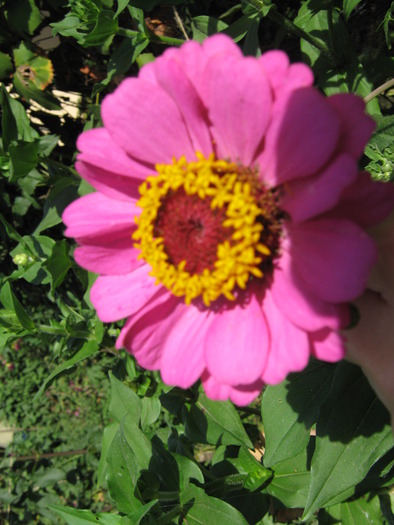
[21,259]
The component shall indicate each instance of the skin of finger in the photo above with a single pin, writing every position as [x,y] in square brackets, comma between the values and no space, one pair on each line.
[382,275]
[371,345]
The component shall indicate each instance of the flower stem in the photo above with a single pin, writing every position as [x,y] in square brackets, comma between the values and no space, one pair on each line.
[167,40]
[384,87]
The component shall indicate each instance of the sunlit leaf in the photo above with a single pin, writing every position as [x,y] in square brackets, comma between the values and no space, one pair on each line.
[353,431]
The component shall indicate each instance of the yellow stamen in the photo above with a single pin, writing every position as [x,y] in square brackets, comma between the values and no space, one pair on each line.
[238,259]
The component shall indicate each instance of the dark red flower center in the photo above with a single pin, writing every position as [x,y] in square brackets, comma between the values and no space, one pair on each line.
[191,230]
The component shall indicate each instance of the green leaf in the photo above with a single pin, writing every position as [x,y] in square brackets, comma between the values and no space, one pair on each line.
[23,158]
[123,471]
[257,475]
[123,401]
[291,481]
[83,517]
[23,16]
[383,136]
[252,44]
[62,193]
[10,302]
[58,264]
[6,65]
[88,349]
[353,431]
[348,6]
[135,517]
[106,27]
[239,29]
[122,58]
[8,120]
[50,477]
[188,470]
[206,509]
[109,434]
[204,26]
[150,412]
[29,91]
[215,422]
[122,4]
[15,123]
[70,26]
[290,409]
[344,73]
[362,510]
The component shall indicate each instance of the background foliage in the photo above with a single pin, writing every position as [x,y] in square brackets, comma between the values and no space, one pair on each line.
[317,448]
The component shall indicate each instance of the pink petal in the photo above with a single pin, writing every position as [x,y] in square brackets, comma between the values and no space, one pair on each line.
[282,76]
[114,258]
[328,345]
[289,350]
[303,135]
[145,333]
[366,202]
[239,102]
[307,197]
[96,216]
[144,121]
[237,343]
[174,81]
[118,296]
[300,306]
[107,167]
[241,396]
[183,355]
[333,258]
[356,125]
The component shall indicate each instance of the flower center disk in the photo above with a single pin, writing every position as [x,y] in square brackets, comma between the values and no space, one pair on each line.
[206,227]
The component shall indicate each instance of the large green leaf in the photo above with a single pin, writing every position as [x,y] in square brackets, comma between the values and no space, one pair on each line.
[6,66]
[109,434]
[362,510]
[123,401]
[23,158]
[349,5]
[290,409]
[353,431]
[23,16]
[11,302]
[204,26]
[206,509]
[8,119]
[122,474]
[291,481]
[106,27]
[84,517]
[215,422]
[58,264]
[188,470]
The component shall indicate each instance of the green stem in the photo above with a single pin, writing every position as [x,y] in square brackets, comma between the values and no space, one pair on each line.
[291,27]
[167,518]
[53,330]
[168,495]
[167,40]
[276,17]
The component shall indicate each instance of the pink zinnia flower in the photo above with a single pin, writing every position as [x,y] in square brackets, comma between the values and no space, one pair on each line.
[227,225]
